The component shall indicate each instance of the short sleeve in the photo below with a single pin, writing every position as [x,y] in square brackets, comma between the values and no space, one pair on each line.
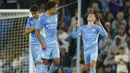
[40,24]
[28,24]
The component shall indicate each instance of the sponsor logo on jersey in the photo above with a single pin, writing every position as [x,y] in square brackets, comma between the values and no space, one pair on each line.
[93,30]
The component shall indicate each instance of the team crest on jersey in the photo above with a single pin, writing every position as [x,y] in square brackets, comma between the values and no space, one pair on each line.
[93,30]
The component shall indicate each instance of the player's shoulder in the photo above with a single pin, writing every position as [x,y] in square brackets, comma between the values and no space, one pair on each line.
[43,16]
[83,26]
[30,18]
[96,26]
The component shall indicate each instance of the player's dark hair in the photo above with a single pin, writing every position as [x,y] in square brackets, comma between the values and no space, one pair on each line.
[34,8]
[94,15]
[50,5]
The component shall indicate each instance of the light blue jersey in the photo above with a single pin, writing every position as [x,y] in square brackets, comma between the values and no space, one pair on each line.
[48,24]
[32,22]
[48,29]
[34,43]
[90,36]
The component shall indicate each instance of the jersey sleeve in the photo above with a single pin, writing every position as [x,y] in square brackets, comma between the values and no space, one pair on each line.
[75,33]
[28,24]
[40,24]
[102,31]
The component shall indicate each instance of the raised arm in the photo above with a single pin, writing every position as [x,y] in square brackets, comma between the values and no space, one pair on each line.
[29,27]
[102,31]
[75,32]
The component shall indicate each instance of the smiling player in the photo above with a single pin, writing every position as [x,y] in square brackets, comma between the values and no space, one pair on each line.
[90,34]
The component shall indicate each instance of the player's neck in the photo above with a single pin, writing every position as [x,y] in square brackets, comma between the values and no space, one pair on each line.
[48,13]
[90,23]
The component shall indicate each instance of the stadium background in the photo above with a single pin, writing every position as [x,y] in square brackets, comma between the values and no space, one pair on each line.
[114,15]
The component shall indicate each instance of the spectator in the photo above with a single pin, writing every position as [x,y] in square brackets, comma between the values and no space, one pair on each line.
[122,61]
[115,6]
[75,17]
[115,23]
[128,21]
[121,33]
[126,7]
[128,43]
[108,69]
[1,60]
[114,48]
[16,63]
[42,8]
[105,5]
[109,17]
[74,64]
[100,16]
[65,61]
[26,62]
[21,58]
[67,18]
[95,6]
[109,61]
[1,64]
[62,36]
[7,66]
[104,46]
[60,70]
[100,64]
[89,10]
[108,27]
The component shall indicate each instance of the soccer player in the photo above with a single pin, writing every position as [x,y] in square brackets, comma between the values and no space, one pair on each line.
[49,44]
[30,29]
[90,34]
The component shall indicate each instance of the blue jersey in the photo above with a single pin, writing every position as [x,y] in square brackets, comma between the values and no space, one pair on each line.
[48,28]
[90,34]
[32,22]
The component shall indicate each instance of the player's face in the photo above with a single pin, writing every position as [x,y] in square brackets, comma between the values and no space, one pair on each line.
[35,14]
[54,9]
[91,17]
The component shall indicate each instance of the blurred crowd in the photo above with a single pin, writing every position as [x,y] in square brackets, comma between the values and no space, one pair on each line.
[19,64]
[114,52]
